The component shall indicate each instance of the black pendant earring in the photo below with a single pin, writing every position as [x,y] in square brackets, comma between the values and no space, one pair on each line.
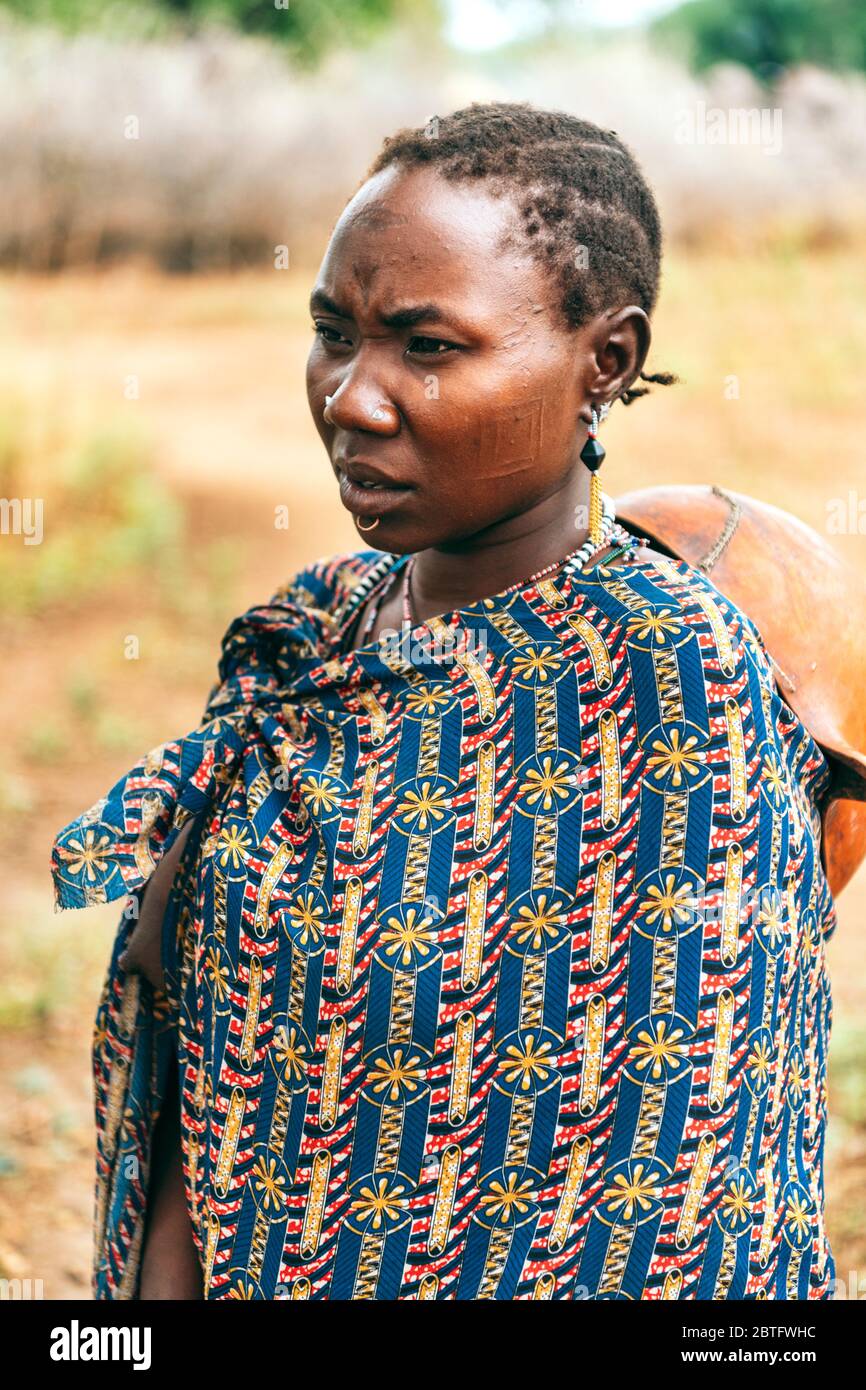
[592,454]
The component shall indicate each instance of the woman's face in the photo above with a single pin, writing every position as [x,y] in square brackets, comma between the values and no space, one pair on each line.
[455,388]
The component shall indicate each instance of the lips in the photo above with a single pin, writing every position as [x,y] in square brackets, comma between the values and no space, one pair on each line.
[366,490]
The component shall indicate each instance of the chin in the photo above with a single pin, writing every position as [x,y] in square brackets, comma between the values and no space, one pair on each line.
[393,537]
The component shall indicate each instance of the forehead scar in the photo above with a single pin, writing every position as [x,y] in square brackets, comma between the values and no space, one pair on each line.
[365,273]
[373,218]
[376,218]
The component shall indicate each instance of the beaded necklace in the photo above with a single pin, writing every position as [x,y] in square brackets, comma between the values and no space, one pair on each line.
[612,533]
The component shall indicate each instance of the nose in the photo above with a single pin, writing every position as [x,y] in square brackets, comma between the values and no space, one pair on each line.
[358,406]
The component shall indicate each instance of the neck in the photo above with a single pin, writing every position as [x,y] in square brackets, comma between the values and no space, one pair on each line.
[450,577]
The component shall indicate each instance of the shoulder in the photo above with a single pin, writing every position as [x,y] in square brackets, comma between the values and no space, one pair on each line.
[330,582]
[659,600]
[700,598]
[298,619]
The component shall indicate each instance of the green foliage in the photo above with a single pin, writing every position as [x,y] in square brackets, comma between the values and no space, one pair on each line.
[768,35]
[848,1071]
[309,28]
[106,515]
[144,19]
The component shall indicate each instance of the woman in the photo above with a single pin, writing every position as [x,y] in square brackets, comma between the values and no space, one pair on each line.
[493,951]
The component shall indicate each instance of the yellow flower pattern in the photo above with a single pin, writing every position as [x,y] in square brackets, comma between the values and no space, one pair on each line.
[493,970]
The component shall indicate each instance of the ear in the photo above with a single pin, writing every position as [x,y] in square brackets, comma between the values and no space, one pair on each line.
[620,343]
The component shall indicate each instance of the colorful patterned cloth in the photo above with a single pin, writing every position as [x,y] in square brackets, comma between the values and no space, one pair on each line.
[494,971]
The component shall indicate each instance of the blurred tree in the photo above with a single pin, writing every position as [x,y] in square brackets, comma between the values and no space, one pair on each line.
[309,27]
[768,35]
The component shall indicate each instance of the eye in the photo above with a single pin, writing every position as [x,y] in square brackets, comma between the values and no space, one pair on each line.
[430,347]
[328,334]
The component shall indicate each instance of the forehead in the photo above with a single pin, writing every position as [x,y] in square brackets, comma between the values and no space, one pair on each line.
[408,233]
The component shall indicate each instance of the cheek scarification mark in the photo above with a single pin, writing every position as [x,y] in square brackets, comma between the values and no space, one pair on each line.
[511,438]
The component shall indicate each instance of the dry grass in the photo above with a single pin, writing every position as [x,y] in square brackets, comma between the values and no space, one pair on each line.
[211,151]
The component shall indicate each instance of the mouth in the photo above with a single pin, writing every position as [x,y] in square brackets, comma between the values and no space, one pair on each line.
[367,491]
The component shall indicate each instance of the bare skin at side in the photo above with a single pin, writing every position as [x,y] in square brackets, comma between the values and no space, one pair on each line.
[170,1267]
